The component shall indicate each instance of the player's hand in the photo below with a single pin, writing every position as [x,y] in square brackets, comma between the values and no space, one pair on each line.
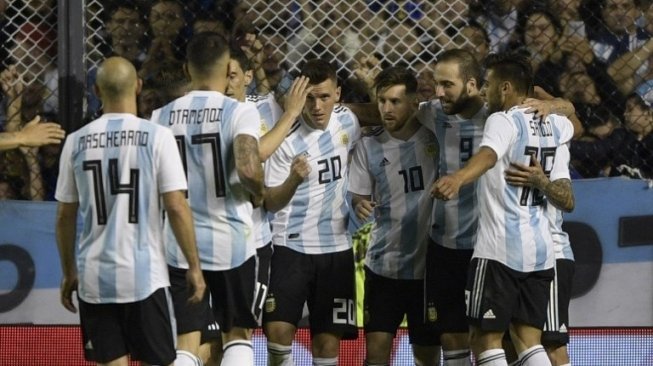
[296,97]
[521,175]
[540,108]
[446,187]
[299,169]
[196,283]
[364,209]
[68,286]
[35,134]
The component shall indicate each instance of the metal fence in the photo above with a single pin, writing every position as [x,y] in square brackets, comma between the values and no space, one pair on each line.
[594,53]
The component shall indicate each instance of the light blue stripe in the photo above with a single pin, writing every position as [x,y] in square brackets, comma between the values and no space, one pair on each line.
[540,244]
[300,201]
[147,181]
[384,213]
[325,221]
[514,241]
[409,240]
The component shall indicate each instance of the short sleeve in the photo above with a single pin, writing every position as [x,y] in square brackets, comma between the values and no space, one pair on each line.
[247,121]
[560,168]
[66,185]
[277,167]
[426,116]
[499,134]
[170,173]
[360,180]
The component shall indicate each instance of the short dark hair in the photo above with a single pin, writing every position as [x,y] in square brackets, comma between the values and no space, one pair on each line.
[318,70]
[469,66]
[513,67]
[205,49]
[396,75]
[240,57]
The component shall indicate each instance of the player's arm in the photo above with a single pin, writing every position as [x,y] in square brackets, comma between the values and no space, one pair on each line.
[363,205]
[448,186]
[32,134]
[544,104]
[248,166]
[294,103]
[278,197]
[181,222]
[557,192]
[66,229]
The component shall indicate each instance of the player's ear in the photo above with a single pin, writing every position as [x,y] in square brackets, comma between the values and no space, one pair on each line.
[97,91]
[337,94]
[186,73]
[472,87]
[139,86]
[249,75]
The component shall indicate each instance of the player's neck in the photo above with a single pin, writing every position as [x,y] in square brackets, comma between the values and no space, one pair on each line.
[209,84]
[406,132]
[119,106]
[475,105]
[512,101]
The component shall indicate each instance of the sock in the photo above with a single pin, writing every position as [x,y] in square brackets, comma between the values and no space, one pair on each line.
[319,361]
[458,357]
[185,358]
[279,355]
[492,357]
[534,356]
[367,363]
[238,353]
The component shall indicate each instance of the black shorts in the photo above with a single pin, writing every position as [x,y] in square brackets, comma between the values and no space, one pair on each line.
[446,278]
[556,328]
[387,300]
[141,329]
[324,281]
[191,317]
[263,260]
[497,295]
[232,295]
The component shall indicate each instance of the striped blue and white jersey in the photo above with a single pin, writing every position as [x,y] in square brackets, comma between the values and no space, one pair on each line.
[454,222]
[513,228]
[270,112]
[561,244]
[116,167]
[315,220]
[205,124]
[398,175]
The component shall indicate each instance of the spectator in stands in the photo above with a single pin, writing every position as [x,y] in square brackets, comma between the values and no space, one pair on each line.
[500,21]
[166,21]
[400,43]
[276,69]
[628,151]
[623,47]
[473,38]
[244,36]
[568,14]
[204,23]
[444,20]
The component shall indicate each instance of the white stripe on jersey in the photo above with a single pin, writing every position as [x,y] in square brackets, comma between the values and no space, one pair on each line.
[116,167]
[270,112]
[398,175]
[206,124]
[315,219]
[562,246]
[454,222]
[513,228]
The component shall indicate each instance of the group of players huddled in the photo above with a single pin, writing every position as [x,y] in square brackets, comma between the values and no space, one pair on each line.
[225,212]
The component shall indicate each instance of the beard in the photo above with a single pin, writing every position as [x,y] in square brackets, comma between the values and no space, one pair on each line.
[460,104]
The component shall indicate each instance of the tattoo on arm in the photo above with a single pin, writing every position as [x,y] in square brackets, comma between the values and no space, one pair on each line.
[248,163]
[560,194]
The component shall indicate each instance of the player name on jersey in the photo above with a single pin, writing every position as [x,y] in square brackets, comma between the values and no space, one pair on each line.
[108,139]
[541,128]
[195,116]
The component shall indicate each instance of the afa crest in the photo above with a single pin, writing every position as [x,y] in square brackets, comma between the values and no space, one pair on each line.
[264,127]
[344,138]
[431,313]
[270,304]
[431,150]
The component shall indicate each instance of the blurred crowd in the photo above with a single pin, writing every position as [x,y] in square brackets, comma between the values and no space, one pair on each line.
[597,54]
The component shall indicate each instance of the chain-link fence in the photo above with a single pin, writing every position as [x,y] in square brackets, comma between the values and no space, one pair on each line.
[595,53]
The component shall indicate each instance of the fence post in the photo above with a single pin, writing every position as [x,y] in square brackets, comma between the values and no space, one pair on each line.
[72,73]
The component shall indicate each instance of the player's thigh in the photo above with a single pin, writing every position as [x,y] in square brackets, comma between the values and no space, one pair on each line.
[556,328]
[421,331]
[332,301]
[102,331]
[291,275]
[232,295]
[446,278]
[188,317]
[263,261]
[384,303]
[534,292]
[491,295]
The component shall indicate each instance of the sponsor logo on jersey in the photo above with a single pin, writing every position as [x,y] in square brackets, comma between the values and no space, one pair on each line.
[384,162]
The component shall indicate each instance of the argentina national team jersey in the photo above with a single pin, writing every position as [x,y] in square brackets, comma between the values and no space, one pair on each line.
[315,219]
[205,125]
[561,244]
[454,222]
[513,227]
[116,167]
[270,112]
[398,175]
